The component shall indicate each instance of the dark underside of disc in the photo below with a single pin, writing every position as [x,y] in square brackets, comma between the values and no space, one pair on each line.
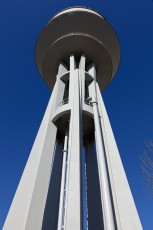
[78,31]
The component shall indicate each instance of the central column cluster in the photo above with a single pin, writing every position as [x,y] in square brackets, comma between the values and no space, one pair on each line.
[79,129]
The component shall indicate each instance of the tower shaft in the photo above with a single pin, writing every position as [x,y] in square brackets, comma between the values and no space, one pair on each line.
[50,194]
[74,178]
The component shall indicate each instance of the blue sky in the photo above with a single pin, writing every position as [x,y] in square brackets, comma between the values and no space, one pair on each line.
[24,95]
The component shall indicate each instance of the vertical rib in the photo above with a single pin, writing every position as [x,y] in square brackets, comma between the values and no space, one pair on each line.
[63,178]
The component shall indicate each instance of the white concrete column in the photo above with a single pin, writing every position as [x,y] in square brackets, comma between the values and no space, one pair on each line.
[27,209]
[73,188]
[82,77]
[103,176]
[125,209]
[102,164]
[60,85]
[63,179]
[71,80]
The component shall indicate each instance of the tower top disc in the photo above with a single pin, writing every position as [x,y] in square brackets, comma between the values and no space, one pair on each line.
[78,30]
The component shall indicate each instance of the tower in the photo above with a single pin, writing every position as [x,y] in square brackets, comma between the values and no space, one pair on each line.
[74,178]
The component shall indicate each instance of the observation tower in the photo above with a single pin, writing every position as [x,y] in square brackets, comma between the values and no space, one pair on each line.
[74,178]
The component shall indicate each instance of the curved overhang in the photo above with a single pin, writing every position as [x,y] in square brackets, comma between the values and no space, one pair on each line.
[78,30]
[79,8]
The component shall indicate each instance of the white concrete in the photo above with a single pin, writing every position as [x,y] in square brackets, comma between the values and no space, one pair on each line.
[63,179]
[102,166]
[26,211]
[73,197]
[58,98]
[126,214]
[82,78]
[103,177]
[29,209]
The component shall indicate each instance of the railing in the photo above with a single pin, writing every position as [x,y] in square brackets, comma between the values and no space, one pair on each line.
[88,102]
[65,101]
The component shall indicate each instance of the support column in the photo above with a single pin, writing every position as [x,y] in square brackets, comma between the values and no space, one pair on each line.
[82,77]
[125,209]
[72,78]
[60,85]
[73,197]
[102,165]
[63,180]
[27,209]
[103,176]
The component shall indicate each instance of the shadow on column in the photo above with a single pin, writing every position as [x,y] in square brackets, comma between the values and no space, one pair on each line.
[95,216]
[50,218]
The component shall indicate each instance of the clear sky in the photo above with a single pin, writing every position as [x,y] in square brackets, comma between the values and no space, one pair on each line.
[24,95]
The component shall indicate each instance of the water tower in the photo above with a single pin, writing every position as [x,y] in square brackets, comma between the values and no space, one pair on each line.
[74,178]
